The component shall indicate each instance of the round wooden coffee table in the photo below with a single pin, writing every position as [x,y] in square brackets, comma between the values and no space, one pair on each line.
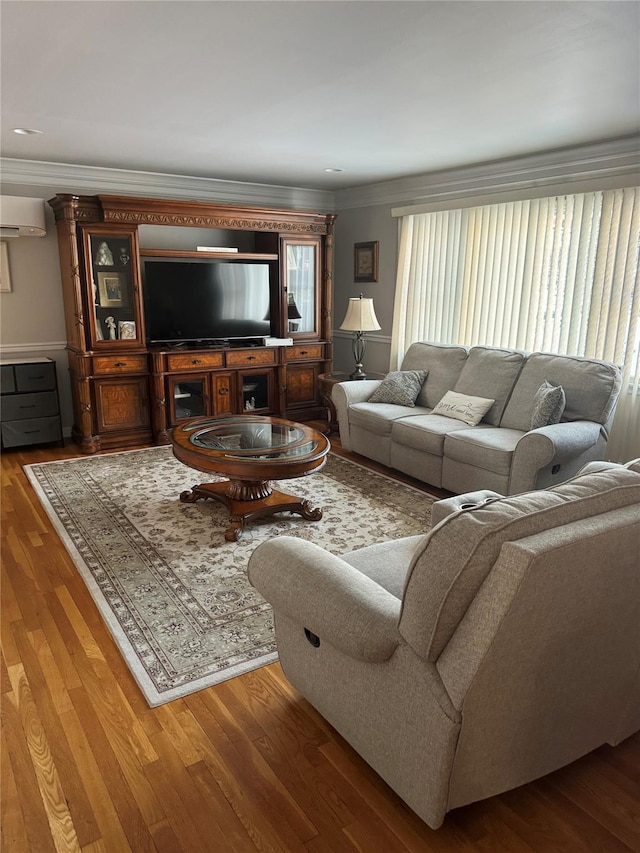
[250,451]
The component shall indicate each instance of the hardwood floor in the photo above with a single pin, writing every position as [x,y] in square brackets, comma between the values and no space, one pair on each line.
[244,766]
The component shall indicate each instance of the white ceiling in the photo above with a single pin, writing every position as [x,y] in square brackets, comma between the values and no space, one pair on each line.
[275,92]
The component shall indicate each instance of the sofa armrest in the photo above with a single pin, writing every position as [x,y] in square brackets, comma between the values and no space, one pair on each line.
[325,594]
[598,465]
[602,465]
[550,445]
[445,507]
[344,394]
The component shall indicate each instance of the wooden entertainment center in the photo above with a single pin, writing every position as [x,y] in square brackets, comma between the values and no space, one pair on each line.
[128,392]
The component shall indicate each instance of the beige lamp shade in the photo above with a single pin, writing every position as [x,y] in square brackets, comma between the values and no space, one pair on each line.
[360,316]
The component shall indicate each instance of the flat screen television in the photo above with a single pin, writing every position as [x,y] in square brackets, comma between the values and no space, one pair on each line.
[205,301]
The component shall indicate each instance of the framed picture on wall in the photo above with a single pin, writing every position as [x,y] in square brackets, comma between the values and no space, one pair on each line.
[111,290]
[365,261]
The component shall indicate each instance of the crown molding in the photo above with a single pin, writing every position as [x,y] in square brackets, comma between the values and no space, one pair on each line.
[617,158]
[601,160]
[93,180]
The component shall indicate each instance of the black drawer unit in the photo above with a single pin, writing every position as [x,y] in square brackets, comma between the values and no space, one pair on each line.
[29,406]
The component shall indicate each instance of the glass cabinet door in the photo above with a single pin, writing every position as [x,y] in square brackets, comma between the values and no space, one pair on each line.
[301,259]
[188,397]
[113,291]
[256,391]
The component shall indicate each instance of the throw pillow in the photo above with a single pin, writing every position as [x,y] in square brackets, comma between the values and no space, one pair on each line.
[462,407]
[400,387]
[548,405]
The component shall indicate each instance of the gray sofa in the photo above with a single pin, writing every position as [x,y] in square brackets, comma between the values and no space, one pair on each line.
[496,648]
[502,452]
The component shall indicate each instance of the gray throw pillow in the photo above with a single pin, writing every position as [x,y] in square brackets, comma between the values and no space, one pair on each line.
[400,387]
[548,405]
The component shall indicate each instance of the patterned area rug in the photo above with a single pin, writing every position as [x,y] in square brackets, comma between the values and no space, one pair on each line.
[173,592]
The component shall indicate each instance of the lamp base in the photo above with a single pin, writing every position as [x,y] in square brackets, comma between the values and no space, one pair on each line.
[358,373]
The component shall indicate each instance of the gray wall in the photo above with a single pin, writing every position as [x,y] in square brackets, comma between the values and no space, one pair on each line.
[362,225]
[32,315]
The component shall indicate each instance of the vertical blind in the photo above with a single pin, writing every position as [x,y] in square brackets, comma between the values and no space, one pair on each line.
[555,274]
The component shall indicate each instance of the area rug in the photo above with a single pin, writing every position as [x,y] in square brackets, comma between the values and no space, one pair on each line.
[173,592]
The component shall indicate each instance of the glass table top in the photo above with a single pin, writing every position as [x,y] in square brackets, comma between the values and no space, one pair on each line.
[253,438]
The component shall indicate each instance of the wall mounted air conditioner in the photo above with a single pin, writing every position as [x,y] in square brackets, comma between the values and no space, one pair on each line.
[21,217]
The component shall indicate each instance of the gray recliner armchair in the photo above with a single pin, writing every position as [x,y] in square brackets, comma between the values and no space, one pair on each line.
[496,648]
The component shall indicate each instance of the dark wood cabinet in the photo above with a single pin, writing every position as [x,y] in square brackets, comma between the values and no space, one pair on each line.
[224,382]
[305,362]
[126,392]
[122,404]
[222,393]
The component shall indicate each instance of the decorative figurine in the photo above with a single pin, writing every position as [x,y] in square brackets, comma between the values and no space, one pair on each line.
[104,257]
[110,323]
[124,258]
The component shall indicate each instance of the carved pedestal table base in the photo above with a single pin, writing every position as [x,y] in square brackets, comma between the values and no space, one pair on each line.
[242,510]
[251,451]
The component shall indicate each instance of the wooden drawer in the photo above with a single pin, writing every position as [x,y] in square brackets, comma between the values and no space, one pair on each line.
[115,364]
[41,404]
[189,361]
[300,353]
[250,358]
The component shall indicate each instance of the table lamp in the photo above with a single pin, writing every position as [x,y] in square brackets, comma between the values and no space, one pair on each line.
[292,313]
[360,318]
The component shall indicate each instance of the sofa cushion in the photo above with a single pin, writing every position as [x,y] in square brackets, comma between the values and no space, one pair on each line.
[425,432]
[379,417]
[459,553]
[548,405]
[591,388]
[400,387]
[491,372]
[485,447]
[463,407]
[444,363]
[386,563]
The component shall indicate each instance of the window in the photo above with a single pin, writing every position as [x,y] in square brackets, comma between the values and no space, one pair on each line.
[555,274]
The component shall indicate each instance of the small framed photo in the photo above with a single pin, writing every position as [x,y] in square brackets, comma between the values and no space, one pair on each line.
[5,275]
[112,292]
[365,261]
[127,330]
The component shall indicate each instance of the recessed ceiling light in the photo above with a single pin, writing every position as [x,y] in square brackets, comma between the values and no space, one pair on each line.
[334,170]
[26,131]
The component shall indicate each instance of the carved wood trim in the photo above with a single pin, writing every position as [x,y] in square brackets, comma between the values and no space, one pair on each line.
[149,211]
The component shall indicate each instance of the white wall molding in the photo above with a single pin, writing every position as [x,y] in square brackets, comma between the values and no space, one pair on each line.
[619,158]
[93,180]
[370,337]
[7,350]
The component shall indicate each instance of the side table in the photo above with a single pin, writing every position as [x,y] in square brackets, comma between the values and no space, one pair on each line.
[326,381]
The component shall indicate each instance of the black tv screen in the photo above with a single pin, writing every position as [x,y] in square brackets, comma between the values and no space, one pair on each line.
[208,300]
